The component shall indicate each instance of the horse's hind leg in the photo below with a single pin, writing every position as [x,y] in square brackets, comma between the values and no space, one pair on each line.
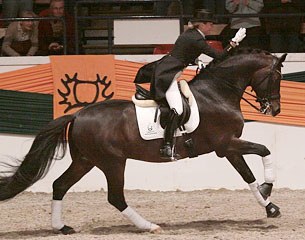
[78,168]
[239,163]
[114,173]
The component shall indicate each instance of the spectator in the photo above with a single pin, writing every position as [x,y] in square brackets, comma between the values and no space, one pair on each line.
[284,32]
[21,38]
[253,24]
[163,8]
[13,8]
[164,72]
[51,32]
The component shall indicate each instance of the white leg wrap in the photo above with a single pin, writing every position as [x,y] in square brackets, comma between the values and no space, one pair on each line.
[139,221]
[254,188]
[57,223]
[269,171]
[173,97]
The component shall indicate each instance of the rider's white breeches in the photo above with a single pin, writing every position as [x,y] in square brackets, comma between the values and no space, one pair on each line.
[173,95]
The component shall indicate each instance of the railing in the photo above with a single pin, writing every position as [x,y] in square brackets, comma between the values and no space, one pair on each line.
[44,19]
[110,19]
[260,15]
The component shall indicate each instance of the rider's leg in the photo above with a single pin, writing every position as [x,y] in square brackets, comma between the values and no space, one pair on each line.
[167,150]
[173,97]
[174,100]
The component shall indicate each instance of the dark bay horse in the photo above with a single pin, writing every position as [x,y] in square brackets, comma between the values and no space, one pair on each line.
[105,134]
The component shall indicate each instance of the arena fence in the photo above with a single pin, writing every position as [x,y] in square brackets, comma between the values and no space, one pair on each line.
[24,90]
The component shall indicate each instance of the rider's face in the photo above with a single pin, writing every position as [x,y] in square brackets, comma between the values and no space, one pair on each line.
[205,27]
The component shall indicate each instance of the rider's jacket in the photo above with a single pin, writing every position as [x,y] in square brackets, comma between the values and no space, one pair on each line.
[189,46]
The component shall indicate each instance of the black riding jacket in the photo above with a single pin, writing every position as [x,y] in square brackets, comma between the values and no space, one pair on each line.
[189,46]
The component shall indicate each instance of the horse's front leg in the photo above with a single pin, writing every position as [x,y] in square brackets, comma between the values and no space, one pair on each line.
[243,169]
[115,180]
[241,147]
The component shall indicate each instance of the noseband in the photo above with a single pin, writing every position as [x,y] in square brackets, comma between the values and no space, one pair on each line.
[265,102]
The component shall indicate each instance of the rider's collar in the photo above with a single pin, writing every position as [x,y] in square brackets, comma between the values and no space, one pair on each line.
[201,33]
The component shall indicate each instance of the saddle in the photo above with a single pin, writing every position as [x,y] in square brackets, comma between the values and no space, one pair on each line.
[143,94]
[143,98]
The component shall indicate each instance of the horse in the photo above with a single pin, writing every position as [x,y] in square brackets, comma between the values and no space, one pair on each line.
[106,133]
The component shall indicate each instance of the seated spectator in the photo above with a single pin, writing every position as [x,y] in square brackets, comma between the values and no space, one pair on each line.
[253,24]
[51,34]
[284,32]
[21,38]
[12,8]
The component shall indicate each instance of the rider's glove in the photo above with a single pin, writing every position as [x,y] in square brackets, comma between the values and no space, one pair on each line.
[239,36]
[199,63]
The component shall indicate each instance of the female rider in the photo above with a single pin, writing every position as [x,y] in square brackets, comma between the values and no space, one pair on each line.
[163,74]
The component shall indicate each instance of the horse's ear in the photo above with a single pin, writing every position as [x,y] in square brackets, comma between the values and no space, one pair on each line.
[282,58]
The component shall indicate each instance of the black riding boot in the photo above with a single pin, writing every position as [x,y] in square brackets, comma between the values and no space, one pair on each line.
[167,151]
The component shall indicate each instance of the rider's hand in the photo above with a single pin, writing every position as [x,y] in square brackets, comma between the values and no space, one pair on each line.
[199,63]
[239,36]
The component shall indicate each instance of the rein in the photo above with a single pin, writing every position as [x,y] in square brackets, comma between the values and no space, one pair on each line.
[251,104]
[265,101]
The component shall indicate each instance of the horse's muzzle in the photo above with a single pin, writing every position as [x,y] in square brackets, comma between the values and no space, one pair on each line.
[276,108]
[270,108]
[276,112]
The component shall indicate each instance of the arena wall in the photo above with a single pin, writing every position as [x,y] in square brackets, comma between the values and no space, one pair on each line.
[205,172]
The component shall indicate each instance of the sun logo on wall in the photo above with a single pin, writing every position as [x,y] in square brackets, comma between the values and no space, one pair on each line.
[80,93]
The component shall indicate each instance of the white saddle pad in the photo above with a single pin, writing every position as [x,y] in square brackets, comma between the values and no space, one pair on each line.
[150,130]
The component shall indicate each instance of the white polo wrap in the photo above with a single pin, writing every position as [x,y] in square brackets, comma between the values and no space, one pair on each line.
[139,221]
[268,169]
[57,222]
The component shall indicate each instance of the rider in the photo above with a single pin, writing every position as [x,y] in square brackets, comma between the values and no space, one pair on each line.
[162,74]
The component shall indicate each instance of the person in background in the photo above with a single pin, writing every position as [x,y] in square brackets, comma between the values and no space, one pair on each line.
[252,24]
[21,38]
[284,32]
[13,8]
[163,74]
[51,32]
[164,8]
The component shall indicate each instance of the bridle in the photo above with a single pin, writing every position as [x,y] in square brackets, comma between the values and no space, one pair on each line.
[265,102]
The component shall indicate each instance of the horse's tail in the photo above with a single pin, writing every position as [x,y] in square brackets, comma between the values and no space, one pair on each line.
[46,147]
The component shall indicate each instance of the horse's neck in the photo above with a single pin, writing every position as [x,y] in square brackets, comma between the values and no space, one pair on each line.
[224,81]
[211,93]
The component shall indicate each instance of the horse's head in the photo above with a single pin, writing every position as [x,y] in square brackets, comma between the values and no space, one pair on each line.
[266,84]
[249,67]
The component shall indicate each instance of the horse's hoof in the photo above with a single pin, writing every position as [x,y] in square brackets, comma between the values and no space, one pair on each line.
[155,229]
[273,211]
[66,230]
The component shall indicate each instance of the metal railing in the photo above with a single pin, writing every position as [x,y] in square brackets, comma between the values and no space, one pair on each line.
[110,18]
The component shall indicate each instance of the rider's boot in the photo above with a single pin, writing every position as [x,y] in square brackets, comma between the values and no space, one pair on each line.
[168,151]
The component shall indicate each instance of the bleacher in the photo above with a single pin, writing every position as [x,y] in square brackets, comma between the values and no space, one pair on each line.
[94,34]
[96,29]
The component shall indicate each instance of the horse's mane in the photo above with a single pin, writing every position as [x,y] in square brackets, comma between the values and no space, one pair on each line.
[237,51]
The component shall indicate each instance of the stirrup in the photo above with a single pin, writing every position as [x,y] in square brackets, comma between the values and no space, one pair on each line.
[167,152]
